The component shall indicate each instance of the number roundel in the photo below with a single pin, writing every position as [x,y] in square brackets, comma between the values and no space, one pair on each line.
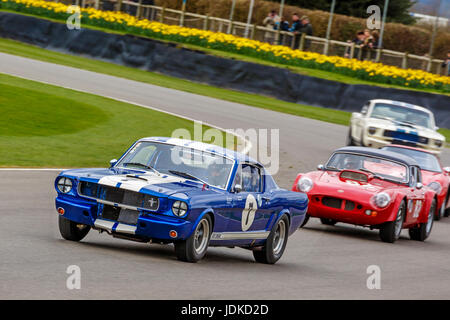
[248,214]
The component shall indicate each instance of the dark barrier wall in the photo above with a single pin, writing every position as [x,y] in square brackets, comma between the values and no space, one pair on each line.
[194,65]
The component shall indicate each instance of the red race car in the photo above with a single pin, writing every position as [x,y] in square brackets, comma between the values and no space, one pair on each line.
[434,175]
[373,188]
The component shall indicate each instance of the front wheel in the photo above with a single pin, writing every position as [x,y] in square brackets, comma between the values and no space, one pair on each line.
[447,211]
[350,141]
[440,212]
[422,232]
[328,222]
[390,231]
[72,231]
[275,243]
[194,248]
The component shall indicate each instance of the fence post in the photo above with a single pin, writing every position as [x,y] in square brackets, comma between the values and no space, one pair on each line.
[359,53]
[325,48]
[77,3]
[302,41]
[430,61]
[378,56]
[161,16]
[139,10]
[119,5]
[183,12]
[405,60]
[352,50]
[206,23]
[97,4]
[252,33]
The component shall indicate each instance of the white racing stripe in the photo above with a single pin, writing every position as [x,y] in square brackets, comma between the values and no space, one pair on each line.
[136,184]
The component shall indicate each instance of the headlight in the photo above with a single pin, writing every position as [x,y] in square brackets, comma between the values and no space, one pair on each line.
[438,143]
[372,130]
[64,184]
[305,184]
[435,186]
[423,140]
[179,208]
[382,199]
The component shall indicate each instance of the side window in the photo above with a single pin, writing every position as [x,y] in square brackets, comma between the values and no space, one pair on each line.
[412,179]
[251,178]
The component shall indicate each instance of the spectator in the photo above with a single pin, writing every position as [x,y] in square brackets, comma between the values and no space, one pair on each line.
[446,65]
[358,40]
[295,29]
[284,27]
[270,22]
[306,28]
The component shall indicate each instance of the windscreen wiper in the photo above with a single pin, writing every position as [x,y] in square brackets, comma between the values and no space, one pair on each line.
[188,176]
[138,164]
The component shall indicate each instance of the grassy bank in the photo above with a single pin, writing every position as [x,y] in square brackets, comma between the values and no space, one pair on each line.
[323,114]
[49,126]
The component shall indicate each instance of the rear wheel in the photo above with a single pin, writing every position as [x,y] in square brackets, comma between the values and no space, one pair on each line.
[447,211]
[275,243]
[390,231]
[328,222]
[194,248]
[423,231]
[440,212]
[71,230]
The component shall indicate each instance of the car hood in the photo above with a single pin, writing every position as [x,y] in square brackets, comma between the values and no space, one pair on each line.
[328,182]
[397,126]
[430,176]
[139,181]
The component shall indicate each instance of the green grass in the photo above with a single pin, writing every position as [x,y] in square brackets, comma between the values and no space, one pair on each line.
[45,125]
[318,113]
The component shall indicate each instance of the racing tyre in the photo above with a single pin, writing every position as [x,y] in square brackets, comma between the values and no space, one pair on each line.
[71,230]
[328,222]
[423,231]
[275,243]
[440,212]
[350,141]
[305,221]
[194,248]
[390,231]
[447,211]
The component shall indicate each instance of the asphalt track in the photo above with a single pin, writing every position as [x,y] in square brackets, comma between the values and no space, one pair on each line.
[320,262]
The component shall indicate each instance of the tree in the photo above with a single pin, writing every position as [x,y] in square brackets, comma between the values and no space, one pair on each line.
[398,9]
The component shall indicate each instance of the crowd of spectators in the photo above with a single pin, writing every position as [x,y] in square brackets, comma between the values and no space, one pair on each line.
[298,26]
[367,42]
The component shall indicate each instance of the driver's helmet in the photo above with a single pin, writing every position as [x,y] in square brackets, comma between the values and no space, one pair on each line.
[351,163]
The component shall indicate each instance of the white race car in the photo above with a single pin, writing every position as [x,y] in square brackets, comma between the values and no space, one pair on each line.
[383,122]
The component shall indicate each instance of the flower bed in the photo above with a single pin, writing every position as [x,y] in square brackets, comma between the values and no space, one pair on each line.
[365,70]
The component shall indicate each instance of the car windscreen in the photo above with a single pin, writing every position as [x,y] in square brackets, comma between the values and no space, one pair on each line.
[402,114]
[383,168]
[426,160]
[181,161]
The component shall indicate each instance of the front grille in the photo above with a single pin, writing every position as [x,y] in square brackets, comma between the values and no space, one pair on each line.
[119,214]
[110,212]
[332,202]
[119,196]
[398,136]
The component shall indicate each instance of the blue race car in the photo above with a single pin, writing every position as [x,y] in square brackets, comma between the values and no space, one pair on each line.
[191,194]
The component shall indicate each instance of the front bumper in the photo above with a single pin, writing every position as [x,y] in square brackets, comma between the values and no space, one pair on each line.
[378,141]
[356,213]
[148,226]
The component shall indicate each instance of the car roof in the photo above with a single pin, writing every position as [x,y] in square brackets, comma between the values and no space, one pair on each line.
[401,104]
[390,155]
[201,146]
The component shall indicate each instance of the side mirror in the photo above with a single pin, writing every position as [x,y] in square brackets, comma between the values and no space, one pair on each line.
[356,114]
[447,170]
[112,163]
[237,188]
[320,167]
[419,185]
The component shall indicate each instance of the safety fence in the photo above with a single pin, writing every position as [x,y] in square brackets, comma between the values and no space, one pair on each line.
[301,41]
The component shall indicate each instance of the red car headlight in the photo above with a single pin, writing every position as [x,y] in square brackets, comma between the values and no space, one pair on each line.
[305,184]
[381,200]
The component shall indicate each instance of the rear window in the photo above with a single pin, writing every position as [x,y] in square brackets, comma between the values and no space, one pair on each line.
[425,160]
